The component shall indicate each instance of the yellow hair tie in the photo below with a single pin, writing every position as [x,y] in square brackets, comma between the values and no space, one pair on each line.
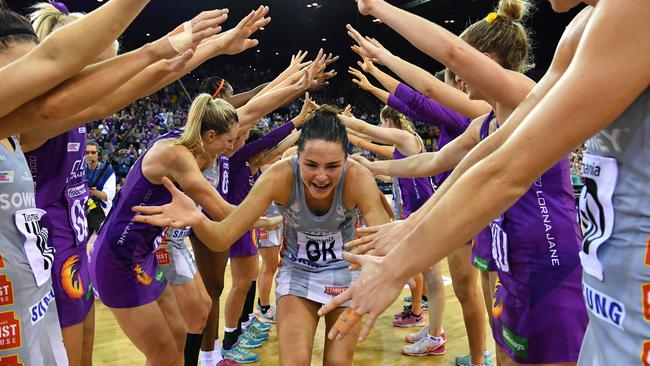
[490,17]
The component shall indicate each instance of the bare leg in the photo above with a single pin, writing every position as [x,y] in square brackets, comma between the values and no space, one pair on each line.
[195,302]
[464,276]
[269,266]
[339,352]
[297,322]
[244,272]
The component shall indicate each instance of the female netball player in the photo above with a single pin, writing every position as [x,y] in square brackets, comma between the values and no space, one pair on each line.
[318,192]
[452,124]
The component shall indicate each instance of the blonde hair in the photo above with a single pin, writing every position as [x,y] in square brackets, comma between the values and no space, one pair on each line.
[504,35]
[399,120]
[206,114]
[46,19]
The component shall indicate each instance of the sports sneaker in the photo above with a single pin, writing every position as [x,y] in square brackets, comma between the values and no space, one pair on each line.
[255,333]
[408,298]
[248,340]
[227,362]
[424,305]
[409,320]
[466,360]
[268,317]
[258,324]
[414,337]
[425,347]
[240,354]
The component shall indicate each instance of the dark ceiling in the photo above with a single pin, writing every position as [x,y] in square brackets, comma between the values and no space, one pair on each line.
[295,26]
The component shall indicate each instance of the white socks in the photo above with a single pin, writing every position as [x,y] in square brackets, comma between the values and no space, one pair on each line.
[217,352]
[207,358]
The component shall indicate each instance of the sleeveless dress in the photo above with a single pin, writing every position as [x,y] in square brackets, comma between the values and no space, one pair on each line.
[491,242]
[30,333]
[123,263]
[538,315]
[615,213]
[312,264]
[62,191]
[414,192]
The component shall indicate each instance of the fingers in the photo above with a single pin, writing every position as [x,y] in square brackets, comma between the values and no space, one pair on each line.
[147,210]
[368,230]
[367,326]
[344,323]
[336,302]
[216,13]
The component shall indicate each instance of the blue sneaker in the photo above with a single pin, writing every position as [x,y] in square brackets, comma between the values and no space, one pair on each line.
[254,333]
[248,341]
[239,354]
[466,360]
[260,325]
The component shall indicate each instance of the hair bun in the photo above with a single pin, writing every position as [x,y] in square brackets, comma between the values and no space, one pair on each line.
[513,10]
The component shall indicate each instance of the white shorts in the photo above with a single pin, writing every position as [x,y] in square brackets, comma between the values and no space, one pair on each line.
[320,287]
[176,263]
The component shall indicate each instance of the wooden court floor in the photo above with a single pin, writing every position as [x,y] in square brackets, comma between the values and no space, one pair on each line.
[383,347]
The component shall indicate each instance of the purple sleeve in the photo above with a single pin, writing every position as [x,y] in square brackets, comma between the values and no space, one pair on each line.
[427,110]
[266,142]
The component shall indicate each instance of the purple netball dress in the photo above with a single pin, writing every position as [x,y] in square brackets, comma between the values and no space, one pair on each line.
[482,256]
[123,264]
[240,180]
[414,191]
[538,312]
[57,167]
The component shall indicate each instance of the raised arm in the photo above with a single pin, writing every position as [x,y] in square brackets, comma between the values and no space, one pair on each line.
[65,52]
[403,140]
[421,79]
[239,100]
[271,155]
[384,151]
[495,82]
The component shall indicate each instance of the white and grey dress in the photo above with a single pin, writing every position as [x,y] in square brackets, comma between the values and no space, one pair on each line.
[270,238]
[29,325]
[615,217]
[312,265]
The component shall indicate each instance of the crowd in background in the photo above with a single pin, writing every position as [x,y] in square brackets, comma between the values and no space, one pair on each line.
[125,136]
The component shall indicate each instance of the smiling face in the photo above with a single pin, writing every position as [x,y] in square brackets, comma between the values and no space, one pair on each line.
[321,166]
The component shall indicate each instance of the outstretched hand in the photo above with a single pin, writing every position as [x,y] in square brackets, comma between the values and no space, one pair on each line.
[367,48]
[179,213]
[379,240]
[189,34]
[361,79]
[237,39]
[372,293]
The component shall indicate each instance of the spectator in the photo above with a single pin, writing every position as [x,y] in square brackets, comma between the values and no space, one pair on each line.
[101,181]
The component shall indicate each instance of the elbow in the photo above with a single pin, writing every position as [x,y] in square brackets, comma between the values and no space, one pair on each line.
[512,181]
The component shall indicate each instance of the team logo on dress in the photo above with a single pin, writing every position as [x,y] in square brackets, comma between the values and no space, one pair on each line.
[6,291]
[647,252]
[334,291]
[603,306]
[645,292]
[73,146]
[6,176]
[11,360]
[141,276]
[2,261]
[71,278]
[9,331]
[497,305]
[39,309]
[518,345]
[645,354]
[82,129]
[162,255]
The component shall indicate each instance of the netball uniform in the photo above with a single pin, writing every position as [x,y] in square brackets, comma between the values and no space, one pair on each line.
[62,191]
[538,315]
[312,265]
[30,333]
[270,238]
[615,213]
[241,180]
[414,192]
[491,242]
[123,263]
